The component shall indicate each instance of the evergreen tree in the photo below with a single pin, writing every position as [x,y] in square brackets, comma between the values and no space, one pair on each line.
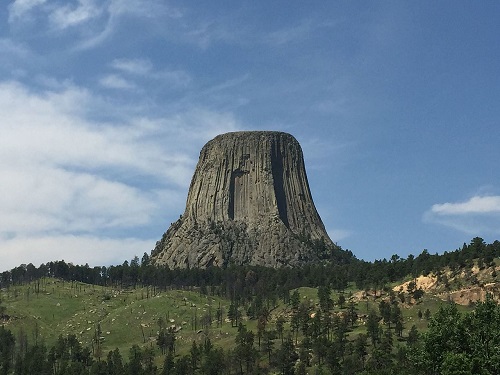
[397,319]
[295,300]
[360,347]
[168,364]
[268,342]
[244,350]
[385,312]
[280,323]
[214,362]
[413,336]
[134,365]
[325,298]
[372,327]
[352,313]
[341,301]
[115,363]
[195,355]
[7,344]
[286,357]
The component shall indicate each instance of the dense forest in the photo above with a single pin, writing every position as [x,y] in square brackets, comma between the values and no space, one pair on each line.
[330,337]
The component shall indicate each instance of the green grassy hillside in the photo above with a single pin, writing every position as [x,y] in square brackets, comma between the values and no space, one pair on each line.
[119,318]
[345,322]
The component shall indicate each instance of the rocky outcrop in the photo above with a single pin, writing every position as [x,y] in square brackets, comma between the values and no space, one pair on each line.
[249,202]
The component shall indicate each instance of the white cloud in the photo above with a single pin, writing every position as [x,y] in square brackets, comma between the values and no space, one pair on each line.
[70,15]
[477,216]
[19,8]
[51,160]
[66,176]
[339,234]
[93,21]
[175,78]
[475,205]
[12,50]
[206,33]
[154,12]
[13,58]
[140,8]
[113,81]
[133,66]
[54,199]
[50,129]
[144,68]
[295,33]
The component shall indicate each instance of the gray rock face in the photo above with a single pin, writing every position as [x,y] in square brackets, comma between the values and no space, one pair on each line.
[249,203]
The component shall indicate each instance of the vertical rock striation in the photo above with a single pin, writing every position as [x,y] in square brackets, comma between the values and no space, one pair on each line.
[248,203]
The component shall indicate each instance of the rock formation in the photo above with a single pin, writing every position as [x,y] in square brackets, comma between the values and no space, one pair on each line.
[248,203]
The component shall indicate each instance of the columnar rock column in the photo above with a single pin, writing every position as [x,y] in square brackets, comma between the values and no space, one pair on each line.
[249,202]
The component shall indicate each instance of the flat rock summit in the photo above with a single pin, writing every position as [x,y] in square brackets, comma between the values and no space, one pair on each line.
[249,202]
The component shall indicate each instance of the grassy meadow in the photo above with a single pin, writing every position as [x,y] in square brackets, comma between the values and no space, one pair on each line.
[120,318]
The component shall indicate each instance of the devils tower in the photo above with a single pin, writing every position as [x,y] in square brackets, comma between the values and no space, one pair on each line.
[249,202]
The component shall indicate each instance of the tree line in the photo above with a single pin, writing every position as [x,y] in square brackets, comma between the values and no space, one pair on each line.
[241,282]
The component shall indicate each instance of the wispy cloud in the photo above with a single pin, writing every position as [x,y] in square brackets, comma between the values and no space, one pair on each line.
[92,21]
[143,68]
[113,81]
[479,214]
[13,57]
[112,12]
[206,33]
[74,14]
[475,205]
[294,33]
[289,34]
[339,234]
[133,66]
[19,8]
[174,78]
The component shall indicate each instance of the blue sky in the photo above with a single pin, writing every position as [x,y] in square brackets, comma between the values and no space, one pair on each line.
[105,105]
